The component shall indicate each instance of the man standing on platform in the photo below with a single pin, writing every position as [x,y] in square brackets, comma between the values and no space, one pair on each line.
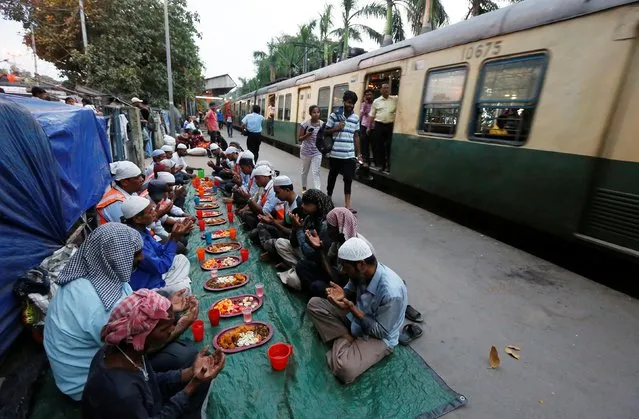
[211,123]
[383,112]
[253,124]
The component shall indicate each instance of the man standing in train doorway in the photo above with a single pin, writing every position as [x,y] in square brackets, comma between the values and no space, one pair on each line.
[270,113]
[383,113]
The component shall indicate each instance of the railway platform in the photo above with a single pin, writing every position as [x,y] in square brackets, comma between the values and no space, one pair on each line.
[578,338]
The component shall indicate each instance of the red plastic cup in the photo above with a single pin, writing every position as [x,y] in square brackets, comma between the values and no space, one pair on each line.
[206,178]
[201,193]
[244,253]
[198,213]
[231,217]
[214,316]
[216,182]
[200,254]
[229,207]
[201,224]
[198,330]
[232,232]
[279,354]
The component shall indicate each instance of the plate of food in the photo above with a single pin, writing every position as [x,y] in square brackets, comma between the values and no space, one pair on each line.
[207,206]
[233,306]
[214,221]
[221,263]
[211,214]
[240,338]
[206,198]
[226,282]
[223,247]
[218,234]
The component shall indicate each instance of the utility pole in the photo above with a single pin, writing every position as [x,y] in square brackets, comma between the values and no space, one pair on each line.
[169,72]
[35,54]
[83,25]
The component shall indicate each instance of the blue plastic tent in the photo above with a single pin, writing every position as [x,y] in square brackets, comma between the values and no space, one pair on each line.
[54,166]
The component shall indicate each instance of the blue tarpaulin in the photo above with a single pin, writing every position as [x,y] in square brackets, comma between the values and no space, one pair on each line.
[53,167]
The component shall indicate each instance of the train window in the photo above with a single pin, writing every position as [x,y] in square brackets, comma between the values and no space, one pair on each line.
[506,98]
[338,97]
[374,81]
[263,106]
[323,101]
[443,92]
[287,107]
[280,108]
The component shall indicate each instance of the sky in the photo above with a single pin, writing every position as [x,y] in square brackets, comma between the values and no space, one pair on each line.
[228,38]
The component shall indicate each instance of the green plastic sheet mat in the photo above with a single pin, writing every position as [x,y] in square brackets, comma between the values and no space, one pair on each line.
[401,386]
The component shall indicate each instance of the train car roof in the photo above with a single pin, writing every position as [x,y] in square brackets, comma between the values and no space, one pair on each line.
[514,18]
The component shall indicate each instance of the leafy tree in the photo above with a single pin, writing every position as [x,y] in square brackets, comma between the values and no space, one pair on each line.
[479,7]
[126,52]
[350,29]
[325,24]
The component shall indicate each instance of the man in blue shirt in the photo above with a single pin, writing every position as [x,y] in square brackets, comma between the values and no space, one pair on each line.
[161,268]
[364,318]
[253,124]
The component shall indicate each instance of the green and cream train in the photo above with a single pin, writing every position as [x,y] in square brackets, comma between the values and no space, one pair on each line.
[530,113]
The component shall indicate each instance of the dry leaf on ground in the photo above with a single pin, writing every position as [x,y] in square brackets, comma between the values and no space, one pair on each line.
[514,347]
[512,352]
[493,358]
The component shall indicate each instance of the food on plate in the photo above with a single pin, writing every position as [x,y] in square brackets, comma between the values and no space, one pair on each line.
[206,198]
[227,281]
[235,305]
[223,247]
[207,206]
[214,221]
[242,336]
[207,214]
[218,234]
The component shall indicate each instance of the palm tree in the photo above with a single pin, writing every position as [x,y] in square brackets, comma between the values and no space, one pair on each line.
[325,24]
[425,15]
[479,7]
[306,39]
[353,30]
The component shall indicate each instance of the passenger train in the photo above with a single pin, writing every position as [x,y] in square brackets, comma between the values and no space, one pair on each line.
[530,113]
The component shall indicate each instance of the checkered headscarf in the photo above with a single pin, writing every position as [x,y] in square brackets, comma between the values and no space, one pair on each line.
[135,317]
[106,259]
[344,220]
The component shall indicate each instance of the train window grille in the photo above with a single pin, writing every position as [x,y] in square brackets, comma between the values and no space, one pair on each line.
[280,108]
[287,106]
[323,102]
[338,97]
[443,92]
[506,99]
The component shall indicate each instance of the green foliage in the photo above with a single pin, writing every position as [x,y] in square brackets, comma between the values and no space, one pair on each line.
[126,54]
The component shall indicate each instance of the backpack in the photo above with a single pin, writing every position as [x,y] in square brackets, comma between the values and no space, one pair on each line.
[324,141]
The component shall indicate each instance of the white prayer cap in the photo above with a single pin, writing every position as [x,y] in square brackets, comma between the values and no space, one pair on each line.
[247,155]
[230,150]
[157,153]
[354,250]
[136,100]
[133,206]
[282,180]
[168,163]
[181,146]
[124,170]
[166,177]
[264,163]
[167,148]
[214,146]
[262,171]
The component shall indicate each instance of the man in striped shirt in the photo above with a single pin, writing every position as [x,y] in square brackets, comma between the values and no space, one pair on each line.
[345,129]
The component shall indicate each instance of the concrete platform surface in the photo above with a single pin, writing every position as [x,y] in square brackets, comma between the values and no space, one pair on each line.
[578,339]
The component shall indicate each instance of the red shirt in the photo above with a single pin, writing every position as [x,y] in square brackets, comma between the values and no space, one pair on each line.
[211,121]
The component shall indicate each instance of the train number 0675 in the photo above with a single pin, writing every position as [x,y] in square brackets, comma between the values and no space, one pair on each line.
[481,50]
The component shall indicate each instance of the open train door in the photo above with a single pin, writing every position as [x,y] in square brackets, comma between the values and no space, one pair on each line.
[611,217]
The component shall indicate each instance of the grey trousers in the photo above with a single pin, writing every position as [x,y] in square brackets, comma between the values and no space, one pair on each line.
[287,252]
[348,359]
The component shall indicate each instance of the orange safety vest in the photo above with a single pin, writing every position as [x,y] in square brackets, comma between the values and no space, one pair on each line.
[265,196]
[112,195]
[280,211]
